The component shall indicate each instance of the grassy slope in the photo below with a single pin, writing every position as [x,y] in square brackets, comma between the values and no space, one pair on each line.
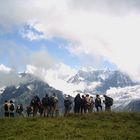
[96,126]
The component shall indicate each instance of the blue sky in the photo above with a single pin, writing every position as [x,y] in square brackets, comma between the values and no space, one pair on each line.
[77,33]
[55,47]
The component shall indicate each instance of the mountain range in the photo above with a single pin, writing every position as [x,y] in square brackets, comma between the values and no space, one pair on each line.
[116,84]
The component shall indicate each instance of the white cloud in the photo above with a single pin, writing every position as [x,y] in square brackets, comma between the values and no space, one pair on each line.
[9,77]
[3,68]
[56,76]
[42,59]
[13,54]
[108,29]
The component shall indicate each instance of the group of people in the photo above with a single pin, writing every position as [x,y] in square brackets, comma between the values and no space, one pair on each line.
[86,103]
[9,109]
[48,105]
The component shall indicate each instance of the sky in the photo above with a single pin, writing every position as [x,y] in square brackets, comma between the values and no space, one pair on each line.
[74,34]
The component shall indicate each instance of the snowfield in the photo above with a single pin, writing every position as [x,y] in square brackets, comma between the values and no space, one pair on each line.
[124,96]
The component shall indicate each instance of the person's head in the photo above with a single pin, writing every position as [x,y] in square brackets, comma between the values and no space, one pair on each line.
[6,101]
[83,96]
[87,95]
[97,95]
[46,95]
[68,96]
[54,94]
[78,95]
[104,95]
[11,101]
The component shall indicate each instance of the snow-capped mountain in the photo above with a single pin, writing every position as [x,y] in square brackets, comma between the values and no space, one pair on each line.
[116,84]
[125,99]
[103,79]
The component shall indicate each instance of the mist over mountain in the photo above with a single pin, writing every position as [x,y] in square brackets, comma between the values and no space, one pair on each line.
[116,84]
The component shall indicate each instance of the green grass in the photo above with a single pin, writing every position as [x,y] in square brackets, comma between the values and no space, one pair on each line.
[96,126]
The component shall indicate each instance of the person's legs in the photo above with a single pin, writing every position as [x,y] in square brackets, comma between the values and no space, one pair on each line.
[97,109]
[6,114]
[108,108]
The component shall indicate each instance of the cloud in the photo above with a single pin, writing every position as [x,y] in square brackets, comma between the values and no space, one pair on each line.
[37,63]
[55,76]
[9,77]
[5,69]
[102,29]
[13,54]
[18,56]
[42,59]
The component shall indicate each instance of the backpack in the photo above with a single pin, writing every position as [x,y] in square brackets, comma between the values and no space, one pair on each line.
[34,101]
[67,102]
[18,109]
[97,101]
[21,107]
[44,101]
[110,101]
[11,108]
[53,100]
[29,109]
[6,107]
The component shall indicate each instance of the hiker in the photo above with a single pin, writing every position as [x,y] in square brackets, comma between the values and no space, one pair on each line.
[11,108]
[53,105]
[19,110]
[98,103]
[108,103]
[34,103]
[29,111]
[67,105]
[91,106]
[83,104]
[46,105]
[87,104]
[40,109]
[6,109]
[77,103]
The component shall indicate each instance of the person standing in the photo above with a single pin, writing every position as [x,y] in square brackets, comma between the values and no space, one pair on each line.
[35,104]
[67,105]
[91,104]
[87,105]
[108,103]
[11,108]
[19,110]
[98,103]
[6,109]
[83,104]
[77,103]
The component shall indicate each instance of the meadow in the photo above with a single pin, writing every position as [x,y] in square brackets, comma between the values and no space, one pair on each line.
[94,126]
